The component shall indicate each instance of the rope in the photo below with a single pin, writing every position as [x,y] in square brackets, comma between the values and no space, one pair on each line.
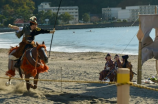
[124,33]
[61,80]
[54,26]
[97,82]
[137,85]
[130,40]
[128,44]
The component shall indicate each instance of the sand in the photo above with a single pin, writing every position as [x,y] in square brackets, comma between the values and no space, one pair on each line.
[75,66]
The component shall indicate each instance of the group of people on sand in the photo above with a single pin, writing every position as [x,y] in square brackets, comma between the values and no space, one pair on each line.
[111,67]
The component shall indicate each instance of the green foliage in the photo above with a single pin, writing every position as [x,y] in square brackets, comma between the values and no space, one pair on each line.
[124,20]
[86,17]
[47,15]
[2,17]
[8,21]
[41,17]
[17,9]
[53,19]
[1,25]
[66,17]
[118,20]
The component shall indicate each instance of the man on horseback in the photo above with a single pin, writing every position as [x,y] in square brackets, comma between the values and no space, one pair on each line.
[28,32]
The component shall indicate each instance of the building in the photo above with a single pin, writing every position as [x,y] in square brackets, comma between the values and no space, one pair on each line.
[143,9]
[20,22]
[130,13]
[110,13]
[124,14]
[72,10]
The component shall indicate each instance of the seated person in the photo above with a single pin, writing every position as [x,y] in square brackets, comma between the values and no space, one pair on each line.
[117,65]
[126,64]
[108,66]
[112,75]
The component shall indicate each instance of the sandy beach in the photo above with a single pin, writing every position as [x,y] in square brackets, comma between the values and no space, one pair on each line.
[75,66]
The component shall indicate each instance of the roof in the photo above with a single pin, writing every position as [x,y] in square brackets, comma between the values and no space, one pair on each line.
[20,21]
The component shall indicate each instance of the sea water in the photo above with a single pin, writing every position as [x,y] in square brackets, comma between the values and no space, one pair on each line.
[121,40]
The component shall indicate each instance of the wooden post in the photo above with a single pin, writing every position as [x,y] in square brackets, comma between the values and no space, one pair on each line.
[123,90]
[156,35]
[139,71]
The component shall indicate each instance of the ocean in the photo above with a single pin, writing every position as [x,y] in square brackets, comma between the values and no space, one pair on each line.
[120,40]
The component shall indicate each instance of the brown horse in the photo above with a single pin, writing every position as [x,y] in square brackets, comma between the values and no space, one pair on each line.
[32,63]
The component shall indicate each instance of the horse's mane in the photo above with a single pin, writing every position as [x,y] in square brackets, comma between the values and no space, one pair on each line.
[41,45]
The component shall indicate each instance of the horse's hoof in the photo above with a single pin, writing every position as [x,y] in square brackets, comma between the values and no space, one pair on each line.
[8,83]
[34,87]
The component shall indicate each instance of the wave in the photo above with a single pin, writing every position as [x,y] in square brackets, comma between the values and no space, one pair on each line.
[70,50]
[6,33]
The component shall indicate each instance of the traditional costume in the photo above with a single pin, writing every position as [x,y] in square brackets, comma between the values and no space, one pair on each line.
[108,67]
[117,65]
[28,38]
[126,64]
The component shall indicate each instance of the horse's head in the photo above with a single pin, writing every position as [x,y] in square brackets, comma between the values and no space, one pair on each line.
[42,52]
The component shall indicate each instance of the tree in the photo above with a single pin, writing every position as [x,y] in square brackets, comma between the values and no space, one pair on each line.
[2,17]
[124,20]
[66,17]
[53,19]
[86,17]
[8,21]
[47,15]
[40,17]
[25,14]
[17,9]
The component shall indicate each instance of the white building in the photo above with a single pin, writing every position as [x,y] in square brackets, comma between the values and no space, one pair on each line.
[110,13]
[124,14]
[130,13]
[72,10]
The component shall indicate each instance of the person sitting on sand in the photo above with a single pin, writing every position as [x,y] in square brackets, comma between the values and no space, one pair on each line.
[117,65]
[108,67]
[127,64]
[112,75]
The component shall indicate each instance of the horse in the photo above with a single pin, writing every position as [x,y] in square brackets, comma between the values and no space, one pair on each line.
[33,62]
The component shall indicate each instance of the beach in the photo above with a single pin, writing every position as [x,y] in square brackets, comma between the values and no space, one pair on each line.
[83,66]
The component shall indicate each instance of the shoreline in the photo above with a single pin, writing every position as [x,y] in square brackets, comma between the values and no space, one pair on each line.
[89,26]
[84,52]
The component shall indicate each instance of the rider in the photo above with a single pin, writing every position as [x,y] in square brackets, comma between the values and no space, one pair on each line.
[126,64]
[28,32]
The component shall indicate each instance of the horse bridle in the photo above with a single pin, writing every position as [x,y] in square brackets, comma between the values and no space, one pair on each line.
[33,58]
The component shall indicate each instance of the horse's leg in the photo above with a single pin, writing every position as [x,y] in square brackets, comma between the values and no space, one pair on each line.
[20,73]
[27,82]
[10,67]
[35,81]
